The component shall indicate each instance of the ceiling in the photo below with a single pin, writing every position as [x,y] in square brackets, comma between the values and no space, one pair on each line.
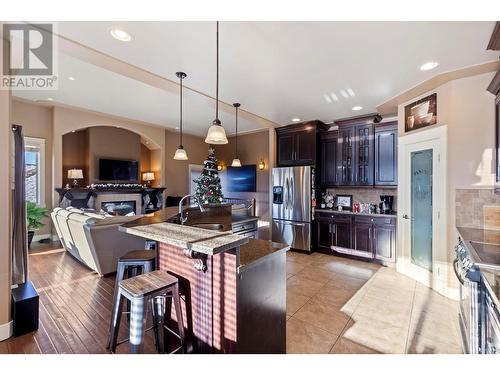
[277,70]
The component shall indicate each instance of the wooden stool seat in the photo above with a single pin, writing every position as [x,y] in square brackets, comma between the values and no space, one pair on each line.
[138,255]
[147,283]
[133,263]
[152,289]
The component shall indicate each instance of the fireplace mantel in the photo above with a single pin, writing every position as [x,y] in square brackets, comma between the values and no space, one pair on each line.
[151,197]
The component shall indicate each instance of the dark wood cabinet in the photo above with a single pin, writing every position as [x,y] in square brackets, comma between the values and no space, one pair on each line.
[384,240]
[356,151]
[363,228]
[286,149]
[324,233]
[296,144]
[370,237]
[345,158]
[328,159]
[386,155]
[364,155]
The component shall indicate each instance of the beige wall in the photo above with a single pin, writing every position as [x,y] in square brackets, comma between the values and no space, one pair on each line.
[111,143]
[177,171]
[68,119]
[75,154]
[5,212]
[467,109]
[37,122]
[252,148]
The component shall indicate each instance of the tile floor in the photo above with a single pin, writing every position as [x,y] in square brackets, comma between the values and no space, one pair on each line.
[339,305]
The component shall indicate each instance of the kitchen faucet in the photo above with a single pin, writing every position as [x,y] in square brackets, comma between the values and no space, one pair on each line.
[181,212]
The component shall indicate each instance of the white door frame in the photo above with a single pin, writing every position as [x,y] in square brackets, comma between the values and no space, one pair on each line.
[437,140]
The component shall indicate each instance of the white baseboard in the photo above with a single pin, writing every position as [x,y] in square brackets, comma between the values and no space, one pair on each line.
[6,330]
[38,237]
[52,237]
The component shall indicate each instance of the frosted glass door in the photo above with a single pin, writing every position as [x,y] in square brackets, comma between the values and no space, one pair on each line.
[421,208]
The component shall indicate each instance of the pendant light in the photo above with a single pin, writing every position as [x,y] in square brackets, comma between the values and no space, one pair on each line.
[236,161]
[216,134]
[180,153]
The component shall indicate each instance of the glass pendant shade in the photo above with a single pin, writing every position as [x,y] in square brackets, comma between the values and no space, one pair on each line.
[216,135]
[236,163]
[180,154]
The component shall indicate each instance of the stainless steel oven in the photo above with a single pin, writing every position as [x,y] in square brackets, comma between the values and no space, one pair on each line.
[469,313]
[491,327]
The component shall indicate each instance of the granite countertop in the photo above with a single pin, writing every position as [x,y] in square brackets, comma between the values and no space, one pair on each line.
[196,239]
[328,210]
[256,250]
[159,227]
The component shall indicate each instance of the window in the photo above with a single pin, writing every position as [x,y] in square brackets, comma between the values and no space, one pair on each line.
[34,159]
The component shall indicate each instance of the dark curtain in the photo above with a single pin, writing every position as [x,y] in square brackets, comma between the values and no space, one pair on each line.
[19,231]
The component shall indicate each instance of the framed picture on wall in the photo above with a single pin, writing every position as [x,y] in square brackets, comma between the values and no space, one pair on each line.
[421,113]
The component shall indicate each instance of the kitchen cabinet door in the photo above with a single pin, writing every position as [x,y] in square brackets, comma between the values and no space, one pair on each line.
[328,171]
[324,233]
[363,238]
[305,147]
[364,155]
[384,241]
[286,150]
[342,227]
[386,156]
[346,156]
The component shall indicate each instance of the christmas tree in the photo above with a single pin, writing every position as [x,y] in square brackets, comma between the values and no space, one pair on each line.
[208,188]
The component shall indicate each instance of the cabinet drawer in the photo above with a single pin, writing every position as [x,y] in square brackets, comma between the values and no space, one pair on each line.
[244,227]
[375,220]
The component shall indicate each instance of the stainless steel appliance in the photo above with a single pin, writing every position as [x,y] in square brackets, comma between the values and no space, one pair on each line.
[385,205]
[469,276]
[491,326]
[293,190]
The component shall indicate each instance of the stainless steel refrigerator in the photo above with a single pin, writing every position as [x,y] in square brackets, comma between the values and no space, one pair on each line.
[291,213]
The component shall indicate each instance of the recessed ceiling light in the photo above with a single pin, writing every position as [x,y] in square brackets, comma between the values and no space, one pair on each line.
[120,34]
[296,119]
[71,78]
[429,65]
[357,108]
[176,128]
[50,99]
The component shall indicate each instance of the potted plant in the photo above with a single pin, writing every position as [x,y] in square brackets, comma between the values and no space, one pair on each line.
[34,216]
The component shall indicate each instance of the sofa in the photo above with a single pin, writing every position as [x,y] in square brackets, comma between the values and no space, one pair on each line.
[93,238]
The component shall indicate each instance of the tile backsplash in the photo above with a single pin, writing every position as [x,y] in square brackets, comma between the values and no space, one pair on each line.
[477,208]
[367,195]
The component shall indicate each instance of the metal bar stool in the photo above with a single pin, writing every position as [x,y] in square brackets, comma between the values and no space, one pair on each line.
[133,263]
[149,288]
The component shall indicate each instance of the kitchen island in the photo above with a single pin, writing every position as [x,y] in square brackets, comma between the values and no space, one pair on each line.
[233,288]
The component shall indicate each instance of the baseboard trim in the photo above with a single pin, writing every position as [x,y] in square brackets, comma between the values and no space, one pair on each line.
[6,330]
[38,237]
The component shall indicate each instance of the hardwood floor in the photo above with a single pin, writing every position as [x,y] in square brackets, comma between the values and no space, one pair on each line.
[75,307]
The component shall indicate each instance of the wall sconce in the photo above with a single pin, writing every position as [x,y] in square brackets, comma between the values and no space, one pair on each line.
[262,165]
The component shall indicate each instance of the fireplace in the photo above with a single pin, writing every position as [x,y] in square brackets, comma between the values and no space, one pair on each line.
[119,208]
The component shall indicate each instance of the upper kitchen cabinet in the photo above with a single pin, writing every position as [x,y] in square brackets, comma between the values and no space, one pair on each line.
[355,151]
[386,154]
[328,159]
[296,144]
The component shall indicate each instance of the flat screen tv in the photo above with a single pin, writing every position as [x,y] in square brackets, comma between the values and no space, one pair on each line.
[242,179]
[118,170]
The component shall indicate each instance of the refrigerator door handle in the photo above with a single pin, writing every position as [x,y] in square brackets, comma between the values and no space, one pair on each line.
[287,193]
